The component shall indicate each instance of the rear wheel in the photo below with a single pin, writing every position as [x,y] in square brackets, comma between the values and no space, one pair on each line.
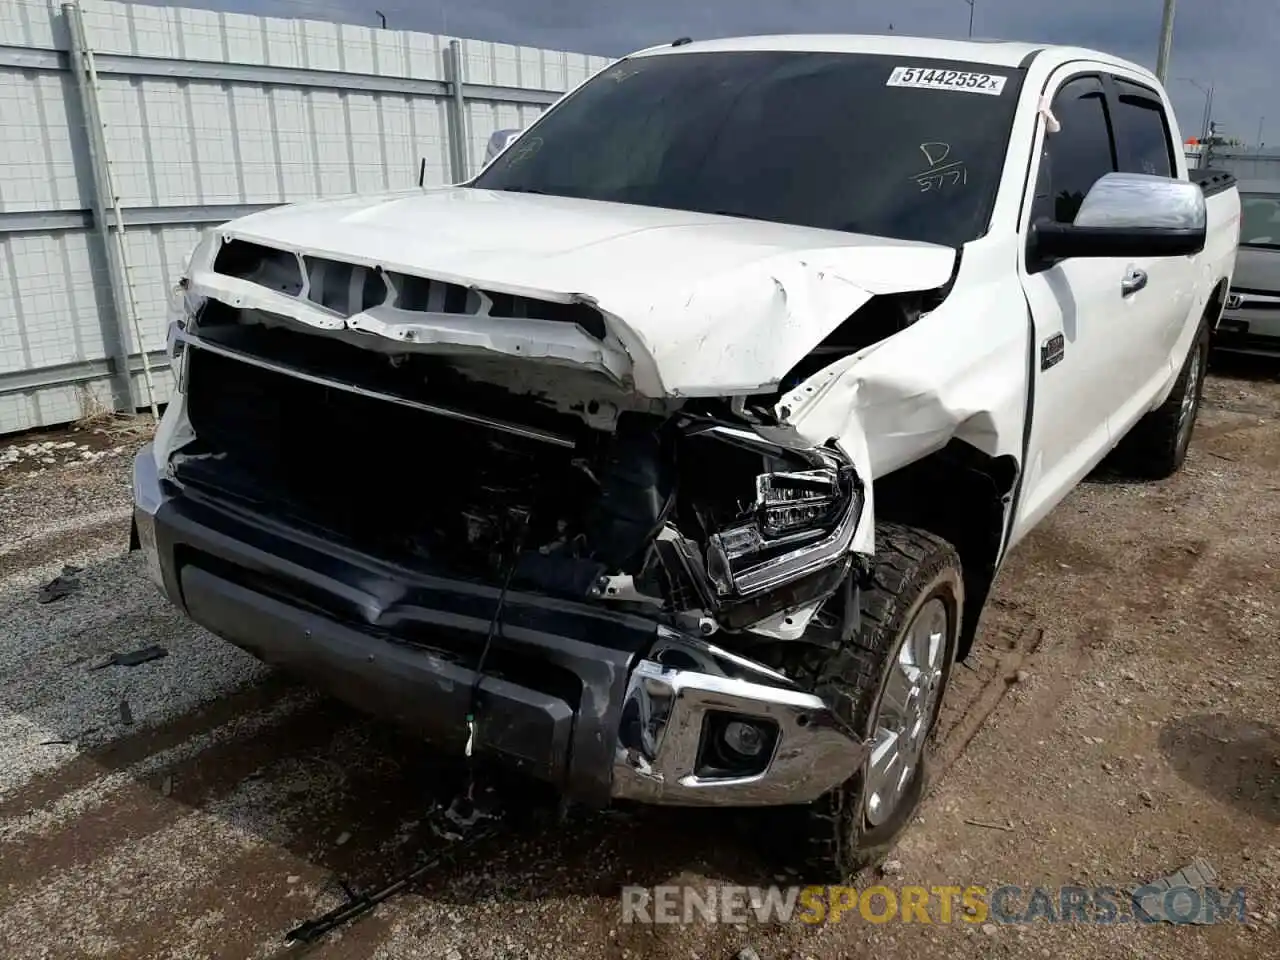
[886,682]
[1157,445]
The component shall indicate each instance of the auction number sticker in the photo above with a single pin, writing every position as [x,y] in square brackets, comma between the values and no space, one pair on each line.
[964,81]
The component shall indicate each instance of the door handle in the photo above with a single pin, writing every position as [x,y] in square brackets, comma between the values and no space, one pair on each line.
[1134,280]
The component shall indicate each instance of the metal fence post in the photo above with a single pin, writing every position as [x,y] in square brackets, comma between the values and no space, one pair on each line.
[459,140]
[117,345]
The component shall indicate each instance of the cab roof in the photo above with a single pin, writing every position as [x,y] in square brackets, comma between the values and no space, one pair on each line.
[999,53]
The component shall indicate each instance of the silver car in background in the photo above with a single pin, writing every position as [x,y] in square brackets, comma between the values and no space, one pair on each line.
[499,140]
[1251,320]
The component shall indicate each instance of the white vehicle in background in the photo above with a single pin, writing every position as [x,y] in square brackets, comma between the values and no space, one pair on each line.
[672,457]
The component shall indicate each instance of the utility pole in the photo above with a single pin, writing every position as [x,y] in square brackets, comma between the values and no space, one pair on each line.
[1166,40]
[1260,119]
[1208,105]
[970,3]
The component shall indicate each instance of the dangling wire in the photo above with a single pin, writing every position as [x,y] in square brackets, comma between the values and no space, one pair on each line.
[494,621]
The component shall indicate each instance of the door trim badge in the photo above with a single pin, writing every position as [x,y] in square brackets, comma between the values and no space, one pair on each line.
[1052,351]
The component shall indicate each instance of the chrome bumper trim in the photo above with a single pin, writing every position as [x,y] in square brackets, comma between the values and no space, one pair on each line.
[663,718]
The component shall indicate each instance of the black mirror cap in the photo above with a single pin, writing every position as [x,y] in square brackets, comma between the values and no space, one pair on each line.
[1058,241]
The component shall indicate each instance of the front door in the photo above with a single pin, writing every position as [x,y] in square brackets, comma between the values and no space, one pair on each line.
[1081,377]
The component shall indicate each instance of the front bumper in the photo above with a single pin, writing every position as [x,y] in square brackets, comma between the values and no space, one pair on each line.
[600,703]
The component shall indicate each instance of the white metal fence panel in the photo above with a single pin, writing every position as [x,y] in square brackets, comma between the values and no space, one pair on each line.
[205,116]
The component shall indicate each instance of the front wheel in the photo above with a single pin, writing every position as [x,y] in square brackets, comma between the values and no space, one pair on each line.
[887,684]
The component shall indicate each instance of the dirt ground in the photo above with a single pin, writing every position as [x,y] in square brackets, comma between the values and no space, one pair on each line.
[1118,719]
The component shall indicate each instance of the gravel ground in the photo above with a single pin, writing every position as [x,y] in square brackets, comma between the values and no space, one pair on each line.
[1118,719]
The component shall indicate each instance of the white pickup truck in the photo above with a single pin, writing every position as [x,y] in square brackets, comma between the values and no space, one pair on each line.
[672,457]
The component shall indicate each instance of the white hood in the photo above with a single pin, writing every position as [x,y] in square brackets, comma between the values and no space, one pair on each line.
[696,304]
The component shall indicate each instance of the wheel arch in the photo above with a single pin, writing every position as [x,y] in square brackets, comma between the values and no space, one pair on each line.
[1217,303]
[962,495]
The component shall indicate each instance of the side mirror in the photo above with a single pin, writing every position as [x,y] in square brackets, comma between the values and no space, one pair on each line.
[1129,215]
[499,141]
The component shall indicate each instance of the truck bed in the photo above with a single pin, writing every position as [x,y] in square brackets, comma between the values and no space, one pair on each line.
[1212,181]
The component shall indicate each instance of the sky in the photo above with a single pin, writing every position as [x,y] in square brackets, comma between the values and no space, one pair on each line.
[1229,45]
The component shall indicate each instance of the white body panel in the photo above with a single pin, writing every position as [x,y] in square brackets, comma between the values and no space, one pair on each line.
[701,305]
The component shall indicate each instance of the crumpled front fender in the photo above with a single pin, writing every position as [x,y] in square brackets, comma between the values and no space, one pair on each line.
[907,397]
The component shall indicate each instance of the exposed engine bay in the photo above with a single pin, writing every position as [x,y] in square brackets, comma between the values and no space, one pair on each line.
[668,513]
[544,477]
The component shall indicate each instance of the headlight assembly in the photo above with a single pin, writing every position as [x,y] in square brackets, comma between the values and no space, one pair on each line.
[800,521]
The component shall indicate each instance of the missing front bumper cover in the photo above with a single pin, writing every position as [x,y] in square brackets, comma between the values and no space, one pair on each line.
[632,731]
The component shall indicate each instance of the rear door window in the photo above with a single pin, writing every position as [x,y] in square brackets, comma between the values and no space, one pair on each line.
[1142,131]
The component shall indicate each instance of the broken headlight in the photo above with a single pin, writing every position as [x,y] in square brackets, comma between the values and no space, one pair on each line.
[183,306]
[801,521]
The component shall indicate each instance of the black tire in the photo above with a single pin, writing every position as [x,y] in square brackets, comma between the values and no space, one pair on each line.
[1157,445]
[832,839]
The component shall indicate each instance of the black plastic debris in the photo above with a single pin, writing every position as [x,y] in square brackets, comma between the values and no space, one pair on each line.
[60,586]
[126,715]
[133,658]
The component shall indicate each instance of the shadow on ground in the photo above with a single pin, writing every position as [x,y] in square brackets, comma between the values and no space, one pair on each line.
[1232,759]
[1245,366]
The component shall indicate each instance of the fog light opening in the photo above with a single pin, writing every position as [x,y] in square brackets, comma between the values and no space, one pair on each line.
[735,746]
[745,739]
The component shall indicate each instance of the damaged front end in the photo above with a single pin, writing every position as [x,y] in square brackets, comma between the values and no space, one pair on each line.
[541,489]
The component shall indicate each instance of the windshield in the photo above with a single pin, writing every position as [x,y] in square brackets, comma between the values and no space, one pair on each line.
[878,145]
[1260,220]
